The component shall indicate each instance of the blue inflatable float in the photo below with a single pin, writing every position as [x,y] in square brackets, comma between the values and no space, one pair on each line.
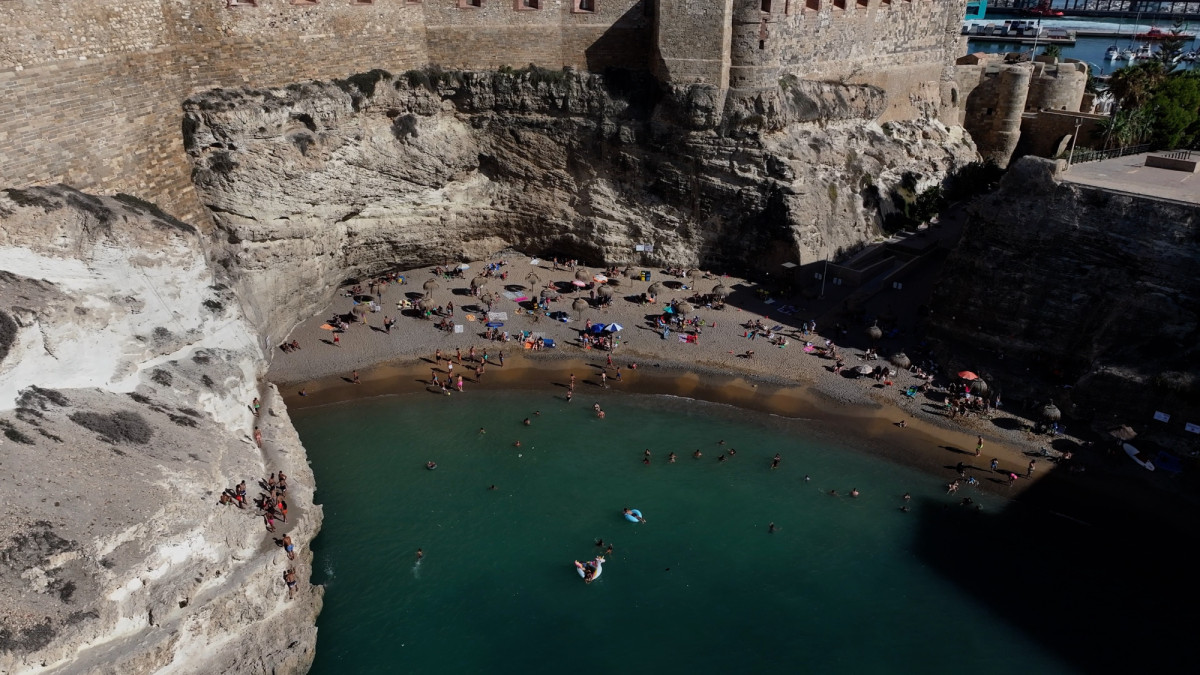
[634,516]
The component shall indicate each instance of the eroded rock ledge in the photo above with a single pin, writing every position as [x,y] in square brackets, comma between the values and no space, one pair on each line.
[321,181]
[125,370]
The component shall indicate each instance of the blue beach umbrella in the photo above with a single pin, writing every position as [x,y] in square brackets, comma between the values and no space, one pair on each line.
[598,328]
[614,327]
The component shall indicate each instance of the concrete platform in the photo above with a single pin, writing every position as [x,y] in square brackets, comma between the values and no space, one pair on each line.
[1130,174]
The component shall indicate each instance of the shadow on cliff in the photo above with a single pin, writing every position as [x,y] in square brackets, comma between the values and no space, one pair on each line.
[1105,583]
[624,44]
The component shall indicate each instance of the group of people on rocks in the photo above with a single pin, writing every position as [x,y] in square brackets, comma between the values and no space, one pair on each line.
[271,504]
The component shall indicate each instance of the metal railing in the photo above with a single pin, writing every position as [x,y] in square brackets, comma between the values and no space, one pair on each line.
[1082,156]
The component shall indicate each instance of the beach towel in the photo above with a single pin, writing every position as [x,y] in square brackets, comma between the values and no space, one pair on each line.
[497,316]
[470,317]
[549,344]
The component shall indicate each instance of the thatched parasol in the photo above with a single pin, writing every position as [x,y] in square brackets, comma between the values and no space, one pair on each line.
[478,282]
[720,291]
[359,310]
[979,388]
[1051,413]
[583,275]
[488,298]
[431,286]
[874,332]
[655,289]
[580,306]
[549,293]
[694,275]
[533,279]
[425,304]
[901,360]
[684,308]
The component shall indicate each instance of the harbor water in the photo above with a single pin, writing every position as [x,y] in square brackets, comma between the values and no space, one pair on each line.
[843,584]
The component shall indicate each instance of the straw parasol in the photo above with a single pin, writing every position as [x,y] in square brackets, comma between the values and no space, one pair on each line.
[901,360]
[1051,412]
[580,306]
[605,292]
[583,275]
[425,304]
[549,293]
[533,279]
[875,332]
[430,286]
[979,388]
[478,282]
[684,307]
[488,298]
[655,289]
[720,291]
[694,274]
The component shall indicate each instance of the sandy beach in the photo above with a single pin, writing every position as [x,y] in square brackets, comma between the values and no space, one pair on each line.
[785,380]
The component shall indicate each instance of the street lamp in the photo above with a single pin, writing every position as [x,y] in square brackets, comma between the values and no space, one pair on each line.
[1074,137]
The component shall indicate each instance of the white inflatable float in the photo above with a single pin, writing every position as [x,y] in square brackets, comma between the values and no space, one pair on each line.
[595,567]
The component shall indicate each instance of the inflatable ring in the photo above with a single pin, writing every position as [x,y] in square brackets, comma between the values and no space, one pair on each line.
[634,516]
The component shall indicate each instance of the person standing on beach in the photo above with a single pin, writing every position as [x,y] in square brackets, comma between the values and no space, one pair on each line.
[289,547]
[337,341]
[1029,469]
[437,358]
[289,577]
[570,395]
[354,377]
[471,354]
[995,463]
[458,384]
[604,379]
[500,356]
[258,437]
[979,446]
[458,353]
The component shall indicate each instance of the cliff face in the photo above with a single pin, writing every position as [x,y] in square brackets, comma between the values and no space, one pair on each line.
[1098,285]
[126,367]
[319,182]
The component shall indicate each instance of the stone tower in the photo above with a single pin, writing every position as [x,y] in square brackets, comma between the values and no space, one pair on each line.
[692,41]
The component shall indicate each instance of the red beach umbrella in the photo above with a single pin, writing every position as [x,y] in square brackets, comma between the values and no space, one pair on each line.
[968,375]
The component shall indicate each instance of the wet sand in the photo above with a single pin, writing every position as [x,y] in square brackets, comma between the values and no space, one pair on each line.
[786,382]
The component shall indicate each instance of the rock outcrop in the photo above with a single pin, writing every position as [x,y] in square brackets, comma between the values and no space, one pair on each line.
[322,181]
[1097,286]
[126,367]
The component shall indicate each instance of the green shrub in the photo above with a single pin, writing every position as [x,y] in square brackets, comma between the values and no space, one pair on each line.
[122,426]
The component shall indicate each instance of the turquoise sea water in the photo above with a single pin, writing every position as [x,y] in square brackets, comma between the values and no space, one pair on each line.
[843,585]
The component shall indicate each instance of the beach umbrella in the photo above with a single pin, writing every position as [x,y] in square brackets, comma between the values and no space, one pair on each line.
[875,332]
[580,306]
[655,288]
[967,375]
[359,310]
[533,279]
[864,370]
[597,328]
[694,275]
[901,360]
[488,298]
[430,286]
[600,279]
[578,284]
[583,275]
[549,293]
[614,328]
[1123,433]
[463,266]
[478,282]
[425,304]
[979,387]
[1051,412]
[720,291]
[683,307]
[605,292]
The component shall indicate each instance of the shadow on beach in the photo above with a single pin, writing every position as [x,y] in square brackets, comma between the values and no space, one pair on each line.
[1103,582]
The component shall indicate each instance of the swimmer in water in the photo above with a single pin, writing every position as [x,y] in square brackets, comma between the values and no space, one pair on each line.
[527,422]
[771,528]
[516,444]
[720,442]
[482,430]
[806,478]
[853,492]
[721,458]
[493,487]
[608,551]
[671,458]
[600,414]
[697,454]
[732,452]
[420,554]
[833,493]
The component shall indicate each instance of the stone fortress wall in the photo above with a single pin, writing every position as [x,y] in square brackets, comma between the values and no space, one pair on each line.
[92,88]
[1003,103]
[904,47]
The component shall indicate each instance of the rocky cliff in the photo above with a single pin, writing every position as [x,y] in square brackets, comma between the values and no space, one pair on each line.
[1096,288]
[322,181]
[126,367]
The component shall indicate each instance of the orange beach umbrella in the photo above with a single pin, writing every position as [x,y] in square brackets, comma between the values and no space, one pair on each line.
[968,375]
